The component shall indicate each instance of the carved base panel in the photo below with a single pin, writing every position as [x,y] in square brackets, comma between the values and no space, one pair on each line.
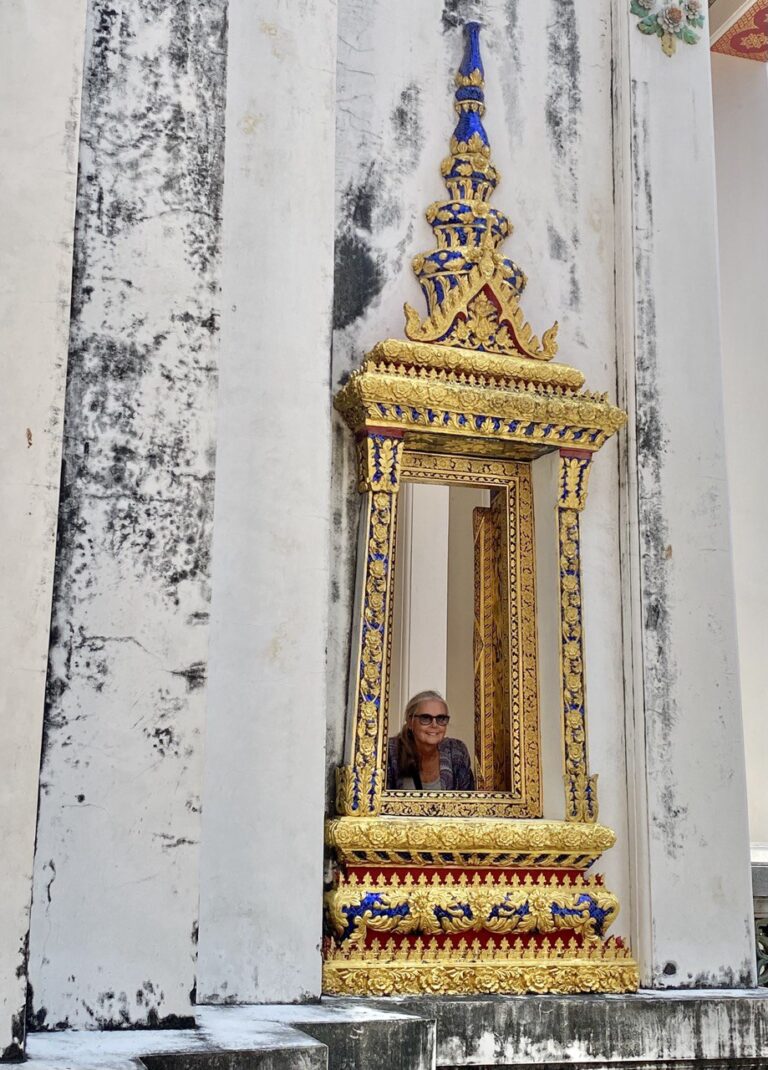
[392,969]
[430,907]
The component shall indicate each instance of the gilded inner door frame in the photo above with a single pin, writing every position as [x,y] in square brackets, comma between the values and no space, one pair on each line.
[515,478]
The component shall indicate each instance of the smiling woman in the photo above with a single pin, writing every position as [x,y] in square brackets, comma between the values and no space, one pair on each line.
[420,756]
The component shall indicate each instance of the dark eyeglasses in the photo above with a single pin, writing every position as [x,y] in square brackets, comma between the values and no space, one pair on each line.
[426,719]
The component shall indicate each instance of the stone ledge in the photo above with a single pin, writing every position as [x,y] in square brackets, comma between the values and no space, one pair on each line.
[673,1030]
[332,1035]
[680,1029]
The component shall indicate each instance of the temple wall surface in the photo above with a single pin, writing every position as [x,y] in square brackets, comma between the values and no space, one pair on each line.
[690,850]
[197,671]
[740,92]
[41,51]
[115,904]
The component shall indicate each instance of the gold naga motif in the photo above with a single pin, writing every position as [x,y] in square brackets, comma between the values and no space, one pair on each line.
[447,905]
[472,396]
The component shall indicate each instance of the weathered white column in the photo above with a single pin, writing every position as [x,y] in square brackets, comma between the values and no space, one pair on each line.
[41,56]
[740,94]
[262,857]
[115,905]
[690,846]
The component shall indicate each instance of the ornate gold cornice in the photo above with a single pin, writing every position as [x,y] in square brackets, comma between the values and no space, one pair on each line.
[489,842]
[427,360]
[537,412]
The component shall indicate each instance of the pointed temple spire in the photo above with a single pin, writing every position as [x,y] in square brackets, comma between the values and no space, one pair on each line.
[470,98]
[472,290]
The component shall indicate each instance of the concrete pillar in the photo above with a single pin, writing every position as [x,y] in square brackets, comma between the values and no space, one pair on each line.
[41,55]
[687,787]
[740,96]
[262,857]
[115,907]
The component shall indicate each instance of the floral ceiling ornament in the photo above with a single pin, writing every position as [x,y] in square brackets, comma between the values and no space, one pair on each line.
[670,22]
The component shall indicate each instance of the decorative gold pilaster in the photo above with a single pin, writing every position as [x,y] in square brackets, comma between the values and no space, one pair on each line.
[580,787]
[359,785]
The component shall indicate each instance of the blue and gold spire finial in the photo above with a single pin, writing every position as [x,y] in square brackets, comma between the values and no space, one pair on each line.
[470,134]
[472,290]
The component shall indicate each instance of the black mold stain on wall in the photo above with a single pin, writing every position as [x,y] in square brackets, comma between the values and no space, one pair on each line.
[457,12]
[563,105]
[14,1052]
[563,113]
[367,205]
[136,500]
[660,670]
[407,124]
[358,277]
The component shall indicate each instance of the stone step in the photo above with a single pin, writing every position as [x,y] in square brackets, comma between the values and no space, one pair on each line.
[674,1030]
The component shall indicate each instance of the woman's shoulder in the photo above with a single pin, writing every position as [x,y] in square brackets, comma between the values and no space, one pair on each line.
[455,747]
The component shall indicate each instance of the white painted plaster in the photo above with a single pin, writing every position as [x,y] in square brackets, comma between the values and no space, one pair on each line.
[41,52]
[740,95]
[690,844]
[115,902]
[420,618]
[261,882]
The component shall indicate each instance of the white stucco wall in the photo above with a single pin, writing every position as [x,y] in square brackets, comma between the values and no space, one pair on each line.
[691,879]
[115,904]
[262,857]
[41,51]
[740,95]
[581,108]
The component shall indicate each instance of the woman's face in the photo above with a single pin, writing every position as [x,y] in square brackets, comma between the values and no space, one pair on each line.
[431,734]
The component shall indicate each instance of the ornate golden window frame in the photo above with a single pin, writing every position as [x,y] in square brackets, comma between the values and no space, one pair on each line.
[473,386]
[514,478]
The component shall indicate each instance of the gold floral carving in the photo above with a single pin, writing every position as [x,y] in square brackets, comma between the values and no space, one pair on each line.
[379,463]
[574,480]
[372,399]
[469,317]
[487,628]
[424,359]
[389,969]
[359,785]
[580,787]
[523,796]
[466,842]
